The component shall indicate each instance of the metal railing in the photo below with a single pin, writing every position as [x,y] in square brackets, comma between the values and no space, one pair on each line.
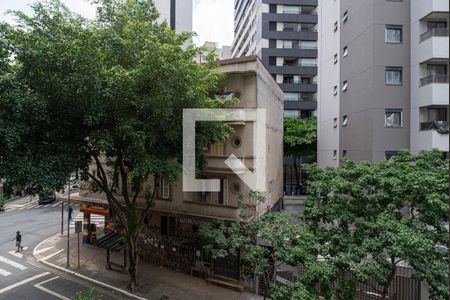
[439,126]
[436,78]
[433,32]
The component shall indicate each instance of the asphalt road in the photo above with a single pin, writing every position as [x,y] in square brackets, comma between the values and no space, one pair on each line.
[21,277]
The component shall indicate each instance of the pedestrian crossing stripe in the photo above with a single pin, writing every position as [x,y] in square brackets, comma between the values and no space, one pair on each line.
[4,272]
[12,263]
[16,254]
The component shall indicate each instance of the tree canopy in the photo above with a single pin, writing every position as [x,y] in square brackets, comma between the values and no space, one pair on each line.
[300,137]
[107,92]
[362,220]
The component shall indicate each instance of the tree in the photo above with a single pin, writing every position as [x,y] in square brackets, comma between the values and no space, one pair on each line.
[261,240]
[361,221]
[374,216]
[300,140]
[106,93]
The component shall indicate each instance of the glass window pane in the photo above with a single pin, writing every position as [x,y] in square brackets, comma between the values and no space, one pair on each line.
[393,118]
[393,35]
[291,96]
[291,9]
[393,76]
[308,62]
[287,44]
[308,45]
[291,114]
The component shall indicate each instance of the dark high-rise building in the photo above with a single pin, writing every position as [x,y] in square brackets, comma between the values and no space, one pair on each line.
[283,33]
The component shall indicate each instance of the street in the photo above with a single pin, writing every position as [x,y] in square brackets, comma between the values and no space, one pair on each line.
[21,277]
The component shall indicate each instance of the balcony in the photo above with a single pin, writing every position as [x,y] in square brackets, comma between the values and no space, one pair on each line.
[437,78]
[439,126]
[443,32]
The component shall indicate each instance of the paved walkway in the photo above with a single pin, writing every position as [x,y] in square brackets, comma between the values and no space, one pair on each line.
[156,282]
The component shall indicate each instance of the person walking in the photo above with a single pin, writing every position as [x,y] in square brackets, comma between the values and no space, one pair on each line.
[18,239]
[70,212]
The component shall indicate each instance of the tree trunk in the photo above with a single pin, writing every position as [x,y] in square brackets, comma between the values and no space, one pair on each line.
[385,292]
[133,263]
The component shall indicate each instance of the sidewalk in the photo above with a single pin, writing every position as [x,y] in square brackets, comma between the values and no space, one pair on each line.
[155,282]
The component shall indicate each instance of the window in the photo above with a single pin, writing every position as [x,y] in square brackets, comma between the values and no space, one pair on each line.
[335,90]
[288,44]
[308,45]
[168,226]
[306,114]
[236,141]
[393,34]
[435,69]
[223,194]
[345,51]
[335,154]
[390,154]
[291,79]
[344,121]
[335,58]
[292,27]
[335,122]
[344,86]
[289,61]
[308,62]
[344,154]
[335,27]
[436,24]
[292,114]
[437,114]
[289,96]
[291,9]
[164,189]
[345,17]
[393,76]
[393,118]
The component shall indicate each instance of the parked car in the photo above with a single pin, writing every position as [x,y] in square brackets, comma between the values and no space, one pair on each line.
[47,199]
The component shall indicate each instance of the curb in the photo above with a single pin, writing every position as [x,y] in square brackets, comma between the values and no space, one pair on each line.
[84,277]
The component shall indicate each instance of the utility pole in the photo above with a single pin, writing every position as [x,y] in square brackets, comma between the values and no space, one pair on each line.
[62,217]
[68,223]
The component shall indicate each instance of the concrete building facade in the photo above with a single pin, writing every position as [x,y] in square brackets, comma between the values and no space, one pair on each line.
[375,94]
[177,14]
[176,215]
[283,34]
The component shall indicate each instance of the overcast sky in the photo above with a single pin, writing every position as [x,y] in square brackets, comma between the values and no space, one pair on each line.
[212,19]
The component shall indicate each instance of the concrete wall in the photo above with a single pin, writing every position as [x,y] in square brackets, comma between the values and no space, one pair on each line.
[367,96]
[433,49]
[329,76]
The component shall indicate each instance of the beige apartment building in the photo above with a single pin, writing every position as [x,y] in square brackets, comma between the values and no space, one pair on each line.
[170,236]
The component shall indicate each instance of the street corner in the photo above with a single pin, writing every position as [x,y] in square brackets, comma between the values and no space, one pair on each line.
[49,248]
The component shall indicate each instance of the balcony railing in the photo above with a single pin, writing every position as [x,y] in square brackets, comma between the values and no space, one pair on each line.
[437,78]
[439,126]
[433,32]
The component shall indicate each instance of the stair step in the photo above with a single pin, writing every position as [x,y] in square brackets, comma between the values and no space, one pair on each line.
[224,278]
[228,284]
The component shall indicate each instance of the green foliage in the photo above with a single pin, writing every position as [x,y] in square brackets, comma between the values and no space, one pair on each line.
[372,217]
[109,91]
[300,137]
[89,295]
[363,219]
